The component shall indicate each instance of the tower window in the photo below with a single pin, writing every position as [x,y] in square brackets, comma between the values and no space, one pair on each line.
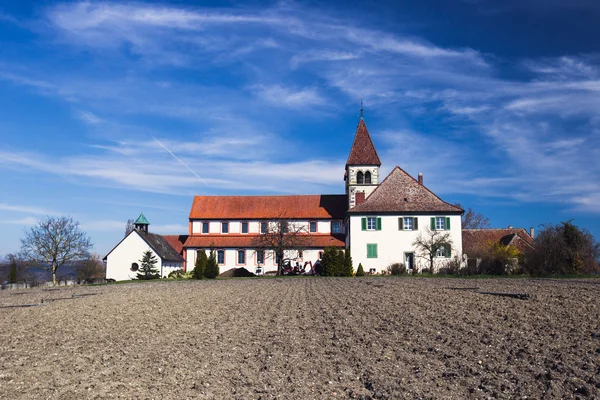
[360,177]
[368,177]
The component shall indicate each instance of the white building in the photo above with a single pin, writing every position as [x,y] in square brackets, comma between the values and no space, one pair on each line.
[378,220]
[123,261]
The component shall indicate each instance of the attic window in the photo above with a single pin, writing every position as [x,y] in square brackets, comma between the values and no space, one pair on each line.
[134,267]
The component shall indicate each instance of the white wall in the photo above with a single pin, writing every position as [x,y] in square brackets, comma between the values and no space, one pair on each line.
[393,243]
[129,251]
[251,265]
[235,226]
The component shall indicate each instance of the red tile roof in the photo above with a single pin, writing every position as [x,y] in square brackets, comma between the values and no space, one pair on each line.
[330,206]
[400,192]
[247,241]
[363,152]
[176,241]
[476,239]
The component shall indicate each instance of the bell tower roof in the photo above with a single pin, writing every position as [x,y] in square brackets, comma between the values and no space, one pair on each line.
[141,220]
[363,151]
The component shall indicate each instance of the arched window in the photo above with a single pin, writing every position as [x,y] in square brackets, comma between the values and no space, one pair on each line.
[368,177]
[135,267]
[359,177]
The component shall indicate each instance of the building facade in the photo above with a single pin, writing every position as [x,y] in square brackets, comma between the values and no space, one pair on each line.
[380,221]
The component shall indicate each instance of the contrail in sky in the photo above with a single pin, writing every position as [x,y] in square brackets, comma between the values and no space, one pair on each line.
[180,160]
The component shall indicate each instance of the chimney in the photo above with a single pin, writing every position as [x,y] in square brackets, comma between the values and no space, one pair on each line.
[510,227]
[531,232]
[420,178]
[360,197]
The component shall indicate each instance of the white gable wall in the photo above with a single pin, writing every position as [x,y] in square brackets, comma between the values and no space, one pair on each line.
[392,243]
[130,250]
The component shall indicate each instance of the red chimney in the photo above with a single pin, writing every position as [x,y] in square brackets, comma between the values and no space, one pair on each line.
[360,197]
[420,178]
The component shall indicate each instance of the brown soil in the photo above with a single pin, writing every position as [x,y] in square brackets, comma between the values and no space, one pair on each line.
[304,338]
[237,273]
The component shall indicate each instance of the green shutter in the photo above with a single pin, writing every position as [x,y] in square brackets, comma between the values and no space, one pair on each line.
[378,223]
[415,224]
[447,223]
[372,250]
[400,223]
[363,222]
[432,224]
[375,249]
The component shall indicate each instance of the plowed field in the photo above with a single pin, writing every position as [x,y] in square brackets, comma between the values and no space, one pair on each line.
[306,338]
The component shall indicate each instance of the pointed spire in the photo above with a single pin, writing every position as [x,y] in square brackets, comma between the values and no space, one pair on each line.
[361,108]
[363,151]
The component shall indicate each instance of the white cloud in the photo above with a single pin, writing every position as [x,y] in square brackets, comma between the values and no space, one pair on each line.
[279,95]
[27,209]
[27,221]
[89,118]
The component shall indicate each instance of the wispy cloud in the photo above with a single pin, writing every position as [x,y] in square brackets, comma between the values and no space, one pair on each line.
[89,118]
[27,209]
[279,95]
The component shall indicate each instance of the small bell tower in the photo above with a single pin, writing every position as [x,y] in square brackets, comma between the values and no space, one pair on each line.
[141,224]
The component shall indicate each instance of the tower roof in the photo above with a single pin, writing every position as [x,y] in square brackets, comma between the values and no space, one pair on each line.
[363,152]
[141,220]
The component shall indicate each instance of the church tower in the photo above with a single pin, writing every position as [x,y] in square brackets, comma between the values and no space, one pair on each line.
[362,167]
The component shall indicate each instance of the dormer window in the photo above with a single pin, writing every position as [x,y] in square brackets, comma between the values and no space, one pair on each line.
[360,177]
[368,178]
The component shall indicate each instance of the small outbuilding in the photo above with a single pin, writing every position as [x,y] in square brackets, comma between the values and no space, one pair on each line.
[123,261]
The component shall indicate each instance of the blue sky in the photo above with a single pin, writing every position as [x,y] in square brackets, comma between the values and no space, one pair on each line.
[108,109]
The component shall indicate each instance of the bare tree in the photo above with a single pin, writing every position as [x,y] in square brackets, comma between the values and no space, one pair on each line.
[129,226]
[430,242]
[473,220]
[282,236]
[55,242]
[90,269]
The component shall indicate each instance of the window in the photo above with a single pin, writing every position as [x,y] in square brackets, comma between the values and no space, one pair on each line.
[368,177]
[372,250]
[440,223]
[283,227]
[205,226]
[276,258]
[336,226]
[244,227]
[300,254]
[320,255]
[371,223]
[224,227]
[135,267]
[443,251]
[260,257]
[408,224]
[359,177]
[241,257]
[220,256]
[312,226]
[264,227]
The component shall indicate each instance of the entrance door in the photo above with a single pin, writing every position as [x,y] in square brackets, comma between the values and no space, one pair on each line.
[409,260]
